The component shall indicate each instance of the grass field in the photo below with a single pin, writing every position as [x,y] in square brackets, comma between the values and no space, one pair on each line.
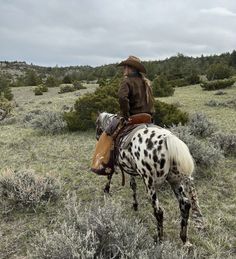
[68,157]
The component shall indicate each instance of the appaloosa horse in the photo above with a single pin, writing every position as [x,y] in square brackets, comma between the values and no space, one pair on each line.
[156,155]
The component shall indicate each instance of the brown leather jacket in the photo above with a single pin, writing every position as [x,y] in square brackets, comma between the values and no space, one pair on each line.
[132,97]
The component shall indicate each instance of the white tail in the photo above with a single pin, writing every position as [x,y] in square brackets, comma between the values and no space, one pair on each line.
[179,152]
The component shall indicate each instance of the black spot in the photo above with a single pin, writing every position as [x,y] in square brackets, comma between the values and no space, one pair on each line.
[149,156]
[180,189]
[150,181]
[137,155]
[162,155]
[149,144]
[148,166]
[154,197]
[152,135]
[161,141]
[129,149]
[154,152]
[155,158]
[159,136]
[139,149]
[162,163]
[145,153]
[161,172]
[140,138]
[145,131]
[159,148]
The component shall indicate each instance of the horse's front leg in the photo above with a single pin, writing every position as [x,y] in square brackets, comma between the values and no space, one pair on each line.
[108,184]
[133,186]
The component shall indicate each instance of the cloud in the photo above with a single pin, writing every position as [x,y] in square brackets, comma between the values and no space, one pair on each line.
[78,32]
[221,11]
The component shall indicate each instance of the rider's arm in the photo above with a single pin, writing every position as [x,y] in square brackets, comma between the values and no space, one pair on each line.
[124,99]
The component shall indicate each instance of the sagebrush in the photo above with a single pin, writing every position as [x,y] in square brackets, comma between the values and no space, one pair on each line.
[204,153]
[27,189]
[200,125]
[46,122]
[226,142]
[99,231]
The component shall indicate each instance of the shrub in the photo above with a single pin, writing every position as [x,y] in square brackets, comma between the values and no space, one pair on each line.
[78,85]
[204,153]
[218,71]
[5,107]
[179,82]
[46,122]
[168,114]
[43,88]
[31,78]
[66,88]
[200,126]
[193,78]
[226,142]
[105,99]
[229,103]
[4,120]
[220,93]
[161,87]
[38,90]
[5,90]
[51,81]
[217,84]
[25,188]
[86,109]
[67,79]
[94,232]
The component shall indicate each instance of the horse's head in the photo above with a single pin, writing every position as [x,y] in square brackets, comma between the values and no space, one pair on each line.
[103,120]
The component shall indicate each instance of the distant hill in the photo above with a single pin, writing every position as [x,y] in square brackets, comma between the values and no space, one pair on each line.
[176,67]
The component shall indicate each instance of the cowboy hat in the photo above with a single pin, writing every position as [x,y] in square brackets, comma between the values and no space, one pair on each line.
[134,62]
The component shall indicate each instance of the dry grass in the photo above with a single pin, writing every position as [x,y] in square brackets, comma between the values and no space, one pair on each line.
[68,156]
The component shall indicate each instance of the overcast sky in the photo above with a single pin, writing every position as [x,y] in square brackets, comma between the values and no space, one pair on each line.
[95,32]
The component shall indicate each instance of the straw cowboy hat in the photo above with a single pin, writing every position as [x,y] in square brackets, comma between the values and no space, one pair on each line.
[134,62]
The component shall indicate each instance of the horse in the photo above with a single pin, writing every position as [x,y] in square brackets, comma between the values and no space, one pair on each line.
[156,155]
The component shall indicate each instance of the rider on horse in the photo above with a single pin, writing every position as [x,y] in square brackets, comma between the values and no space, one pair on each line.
[136,106]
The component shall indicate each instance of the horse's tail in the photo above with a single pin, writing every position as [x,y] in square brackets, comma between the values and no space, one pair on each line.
[179,153]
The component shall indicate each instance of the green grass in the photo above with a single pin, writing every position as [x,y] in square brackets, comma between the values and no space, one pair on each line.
[68,156]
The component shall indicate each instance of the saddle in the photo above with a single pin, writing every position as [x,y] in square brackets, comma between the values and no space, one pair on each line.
[106,149]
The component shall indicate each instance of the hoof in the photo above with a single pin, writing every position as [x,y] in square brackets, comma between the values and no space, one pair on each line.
[106,190]
[157,240]
[135,207]
[188,246]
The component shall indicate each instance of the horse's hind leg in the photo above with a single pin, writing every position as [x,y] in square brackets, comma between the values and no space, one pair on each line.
[184,205]
[196,211]
[108,184]
[133,186]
